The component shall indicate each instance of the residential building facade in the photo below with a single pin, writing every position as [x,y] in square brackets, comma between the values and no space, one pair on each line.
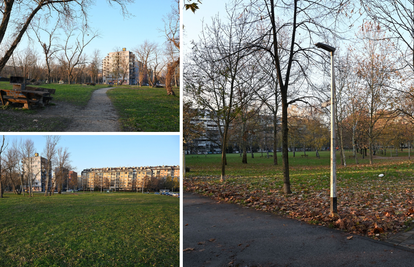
[35,169]
[126,178]
[120,67]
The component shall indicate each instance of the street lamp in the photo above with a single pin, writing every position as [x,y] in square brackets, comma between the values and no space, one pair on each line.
[333,147]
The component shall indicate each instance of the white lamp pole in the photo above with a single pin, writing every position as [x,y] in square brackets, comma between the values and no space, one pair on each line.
[333,134]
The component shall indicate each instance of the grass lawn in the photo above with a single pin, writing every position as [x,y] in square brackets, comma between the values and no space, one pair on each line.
[368,203]
[89,229]
[146,109]
[18,120]
[75,94]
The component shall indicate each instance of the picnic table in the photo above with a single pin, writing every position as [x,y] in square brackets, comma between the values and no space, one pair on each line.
[28,97]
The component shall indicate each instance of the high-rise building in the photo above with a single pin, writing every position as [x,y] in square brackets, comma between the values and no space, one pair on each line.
[120,67]
[34,169]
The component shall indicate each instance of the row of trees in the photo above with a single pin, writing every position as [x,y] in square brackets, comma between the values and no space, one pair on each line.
[18,172]
[256,65]
[18,18]
[149,184]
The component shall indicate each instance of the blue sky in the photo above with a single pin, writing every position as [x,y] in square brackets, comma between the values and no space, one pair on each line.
[193,21]
[145,23]
[95,151]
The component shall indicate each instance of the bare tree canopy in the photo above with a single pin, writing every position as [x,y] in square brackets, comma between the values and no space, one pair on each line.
[172,33]
[16,17]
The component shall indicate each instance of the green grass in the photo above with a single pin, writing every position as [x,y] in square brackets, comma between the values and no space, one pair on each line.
[75,94]
[89,229]
[17,120]
[146,109]
[303,171]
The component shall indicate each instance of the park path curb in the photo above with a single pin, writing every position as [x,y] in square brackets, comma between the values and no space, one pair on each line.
[405,239]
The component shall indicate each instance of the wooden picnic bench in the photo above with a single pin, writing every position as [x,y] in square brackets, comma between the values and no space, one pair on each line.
[28,97]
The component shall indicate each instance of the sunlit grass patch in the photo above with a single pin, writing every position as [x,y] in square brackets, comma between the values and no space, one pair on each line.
[89,229]
[146,109]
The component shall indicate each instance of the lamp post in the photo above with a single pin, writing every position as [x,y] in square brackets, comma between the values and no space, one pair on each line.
[333,146]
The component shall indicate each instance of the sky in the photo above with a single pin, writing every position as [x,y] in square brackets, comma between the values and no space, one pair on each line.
[96,151]
[193,21]
[144,23]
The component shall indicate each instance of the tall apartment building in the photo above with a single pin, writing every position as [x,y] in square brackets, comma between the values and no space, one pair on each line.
[34,169]
[126,178]
[120,67]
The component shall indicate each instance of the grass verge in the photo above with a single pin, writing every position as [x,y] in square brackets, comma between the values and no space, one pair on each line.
[146,109]
[89,229]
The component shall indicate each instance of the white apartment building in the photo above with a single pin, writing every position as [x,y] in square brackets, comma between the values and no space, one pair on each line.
[120,67]
[35,170]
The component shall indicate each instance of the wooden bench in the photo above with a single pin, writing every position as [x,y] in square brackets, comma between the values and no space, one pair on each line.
[39,96]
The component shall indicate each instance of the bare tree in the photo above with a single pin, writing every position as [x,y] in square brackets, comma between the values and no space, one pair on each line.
[145,53]
[219,68]
[377,71]
[94,65]
[12,160]
[155,67]
[49,49]
[18,15]
[305,21]
[27,152]
[172,33]
[50,151]
[63,163]
[72,55]
[25,60]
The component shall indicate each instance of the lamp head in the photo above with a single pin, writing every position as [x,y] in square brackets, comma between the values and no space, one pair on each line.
[325,47]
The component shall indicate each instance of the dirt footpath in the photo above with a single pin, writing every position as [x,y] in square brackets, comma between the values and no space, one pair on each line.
[98,116]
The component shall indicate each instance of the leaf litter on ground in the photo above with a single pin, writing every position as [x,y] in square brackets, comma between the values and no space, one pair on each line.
[368,205]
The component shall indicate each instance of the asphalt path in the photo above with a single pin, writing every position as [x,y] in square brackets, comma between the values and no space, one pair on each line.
[222,234]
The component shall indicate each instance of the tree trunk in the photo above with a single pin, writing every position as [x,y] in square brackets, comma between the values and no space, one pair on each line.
[47,182]
[285,138]
[343,157]
[244,159]
[169,77]
[275,138]
[223,155]
[21,184]
[354,148]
